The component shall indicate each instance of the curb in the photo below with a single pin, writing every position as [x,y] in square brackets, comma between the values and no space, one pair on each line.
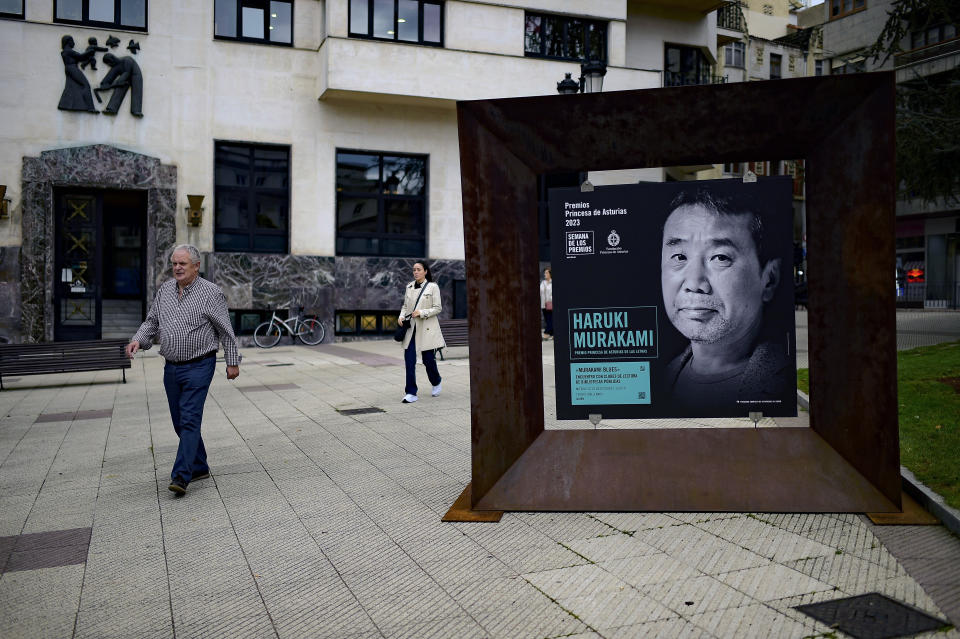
[929,500]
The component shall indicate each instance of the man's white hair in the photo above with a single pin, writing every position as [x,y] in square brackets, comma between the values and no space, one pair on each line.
[190,249]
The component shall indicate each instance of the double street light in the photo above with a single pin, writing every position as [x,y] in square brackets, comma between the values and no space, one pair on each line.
[591,79]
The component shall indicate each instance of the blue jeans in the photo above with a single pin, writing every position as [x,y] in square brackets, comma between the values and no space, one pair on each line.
[187,386]
[410,359]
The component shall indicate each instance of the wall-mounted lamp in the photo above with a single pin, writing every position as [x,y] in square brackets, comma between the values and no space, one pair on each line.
[195,210]
[4,203]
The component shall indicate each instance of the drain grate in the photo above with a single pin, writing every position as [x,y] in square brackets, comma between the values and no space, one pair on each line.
[872,616]
[360,411]
[287,364]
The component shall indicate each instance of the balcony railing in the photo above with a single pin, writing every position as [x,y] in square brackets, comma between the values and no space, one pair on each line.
[681,79]
[929,294]
[730,17]
[925,53]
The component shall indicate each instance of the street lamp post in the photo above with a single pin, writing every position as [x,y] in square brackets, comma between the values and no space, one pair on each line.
[591,79]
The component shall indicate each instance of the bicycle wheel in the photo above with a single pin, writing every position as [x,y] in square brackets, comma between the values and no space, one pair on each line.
[311,331]
[267,334]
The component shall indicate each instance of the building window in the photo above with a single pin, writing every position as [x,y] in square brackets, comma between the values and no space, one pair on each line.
[414,21]
[685,66]
[564,38]
[252,197]
[120,14]
[776,66]
[381,204]
[818,67]
[263,21]
[856,65]
[932,35]
[734,54]
[365,322]
[840,8]
[11,9]
[733,168]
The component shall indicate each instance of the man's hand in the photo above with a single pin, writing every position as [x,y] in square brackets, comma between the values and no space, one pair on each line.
[132,348]
[233,372]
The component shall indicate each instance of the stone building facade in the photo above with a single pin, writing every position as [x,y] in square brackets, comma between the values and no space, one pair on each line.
[322,135]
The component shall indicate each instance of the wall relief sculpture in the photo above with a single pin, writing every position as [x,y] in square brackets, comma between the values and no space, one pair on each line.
[76,90]
[124,75]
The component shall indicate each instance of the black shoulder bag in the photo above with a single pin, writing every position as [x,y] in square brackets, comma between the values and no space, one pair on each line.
[401,331]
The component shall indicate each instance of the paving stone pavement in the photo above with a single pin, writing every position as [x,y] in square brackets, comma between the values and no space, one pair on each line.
[319,524]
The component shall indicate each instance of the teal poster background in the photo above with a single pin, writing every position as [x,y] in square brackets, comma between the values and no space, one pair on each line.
[619,347]
[610,383]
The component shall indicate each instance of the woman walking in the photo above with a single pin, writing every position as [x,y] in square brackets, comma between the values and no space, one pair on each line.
[546,303]
[421,306]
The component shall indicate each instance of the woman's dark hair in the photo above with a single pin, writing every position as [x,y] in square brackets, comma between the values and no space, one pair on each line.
[429,275]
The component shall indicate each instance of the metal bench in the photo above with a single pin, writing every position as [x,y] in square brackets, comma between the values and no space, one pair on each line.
[454,333]
[63,357]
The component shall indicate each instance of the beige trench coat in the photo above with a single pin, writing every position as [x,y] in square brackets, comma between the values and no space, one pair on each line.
[429,336]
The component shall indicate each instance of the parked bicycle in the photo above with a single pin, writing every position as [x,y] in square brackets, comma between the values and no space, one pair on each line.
[309,331]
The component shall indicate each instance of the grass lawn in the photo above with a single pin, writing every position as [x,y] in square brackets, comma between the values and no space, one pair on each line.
[928,389]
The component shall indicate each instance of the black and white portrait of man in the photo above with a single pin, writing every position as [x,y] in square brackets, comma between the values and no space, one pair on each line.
[719,272]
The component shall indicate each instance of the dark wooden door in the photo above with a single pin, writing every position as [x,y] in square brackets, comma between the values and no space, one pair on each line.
[77,281]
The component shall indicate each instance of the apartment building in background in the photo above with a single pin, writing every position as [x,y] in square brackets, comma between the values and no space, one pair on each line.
[928,233]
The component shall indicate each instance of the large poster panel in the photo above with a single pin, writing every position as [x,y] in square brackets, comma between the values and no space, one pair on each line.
[674,299]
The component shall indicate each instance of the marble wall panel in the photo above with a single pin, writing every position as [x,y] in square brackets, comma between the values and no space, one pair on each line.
[270,282]
[9,293]
[373,283]
[322,285]
[36,295]
[101,166]
[95,166]
[161,235]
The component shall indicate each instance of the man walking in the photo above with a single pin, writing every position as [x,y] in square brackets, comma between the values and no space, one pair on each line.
[190,315]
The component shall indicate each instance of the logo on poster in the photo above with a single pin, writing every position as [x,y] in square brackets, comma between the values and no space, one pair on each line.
[613,244]
[579,243]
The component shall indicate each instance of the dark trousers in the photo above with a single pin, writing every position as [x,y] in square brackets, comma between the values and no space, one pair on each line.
[429,361]
[187,386]
[548,321]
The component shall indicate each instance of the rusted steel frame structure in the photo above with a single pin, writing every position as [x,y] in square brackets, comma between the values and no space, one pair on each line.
[848,461]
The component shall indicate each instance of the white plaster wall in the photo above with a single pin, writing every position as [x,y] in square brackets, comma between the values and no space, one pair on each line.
[472,26]
[198,90]
[767,27]
[387,128]
[337,18]
[599,9]
[366,68]
[856,31]
[40,10]
[625,176]
[649,28]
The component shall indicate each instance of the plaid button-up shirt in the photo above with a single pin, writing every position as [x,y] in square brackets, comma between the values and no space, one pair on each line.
[189,326]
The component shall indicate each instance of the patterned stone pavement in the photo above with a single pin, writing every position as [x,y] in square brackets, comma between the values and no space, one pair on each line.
[321,524]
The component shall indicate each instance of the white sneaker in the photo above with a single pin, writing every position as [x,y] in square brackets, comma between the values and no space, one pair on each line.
[436,390]
[409,399]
